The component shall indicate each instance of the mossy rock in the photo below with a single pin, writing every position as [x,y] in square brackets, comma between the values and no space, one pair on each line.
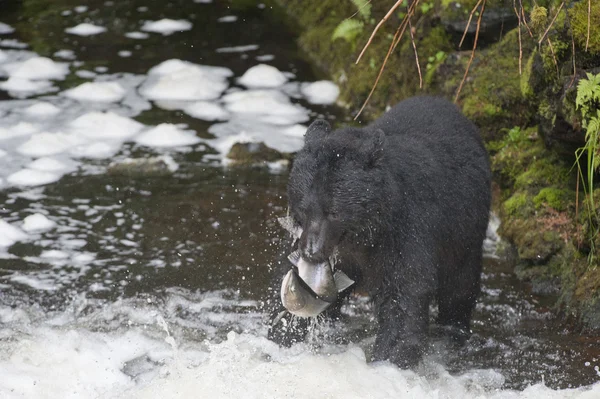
[493,96]
[555,198]
[579,24]
[536,247]
[520,205]
[252,154]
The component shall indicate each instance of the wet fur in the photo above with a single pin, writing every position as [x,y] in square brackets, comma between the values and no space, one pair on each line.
[406,201]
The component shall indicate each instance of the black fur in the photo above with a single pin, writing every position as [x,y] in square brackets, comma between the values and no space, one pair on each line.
[406,202]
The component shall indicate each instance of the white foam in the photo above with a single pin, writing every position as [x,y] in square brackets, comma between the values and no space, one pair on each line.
[106,92]
[136,35]
[20,129]
[35,283]
[3,56]
[31,177]
[96,150]
[182,80]
[206,111]
[41,110]
[80,9]
[6,29]
[49,164]
[124,53]
[262,76]
[228,18]
[10,234]
[86,29]
[38,68]
[238,49]
[105,125]
[24,87]
[167,135]
[320,92]
[46,143]
[167,26]
[37,223]
[266,106]
[65,54]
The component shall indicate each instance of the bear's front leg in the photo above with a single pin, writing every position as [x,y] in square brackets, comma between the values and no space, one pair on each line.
[403,326]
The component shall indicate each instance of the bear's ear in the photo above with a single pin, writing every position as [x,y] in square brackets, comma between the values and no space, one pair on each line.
[318,128]
[373,146]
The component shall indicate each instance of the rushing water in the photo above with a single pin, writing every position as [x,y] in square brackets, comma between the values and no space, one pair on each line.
[151,286]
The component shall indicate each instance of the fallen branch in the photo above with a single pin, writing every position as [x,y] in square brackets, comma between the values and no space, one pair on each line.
[472,51]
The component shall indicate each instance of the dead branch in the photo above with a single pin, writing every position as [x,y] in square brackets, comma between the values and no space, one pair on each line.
[469,23]
[472,51]
[385,18]
[551,23]
[412,39]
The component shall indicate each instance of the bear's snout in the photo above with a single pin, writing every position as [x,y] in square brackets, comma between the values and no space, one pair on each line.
[319,238]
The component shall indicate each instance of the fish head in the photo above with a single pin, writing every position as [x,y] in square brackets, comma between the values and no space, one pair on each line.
[299,299]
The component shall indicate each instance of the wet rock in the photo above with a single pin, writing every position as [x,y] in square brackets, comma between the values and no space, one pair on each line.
[144,167]
[253,154]
[495,22]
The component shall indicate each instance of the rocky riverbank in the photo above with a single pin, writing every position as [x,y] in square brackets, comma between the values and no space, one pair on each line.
[528,118]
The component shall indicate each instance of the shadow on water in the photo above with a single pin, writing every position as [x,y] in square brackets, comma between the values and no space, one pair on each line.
[207,228]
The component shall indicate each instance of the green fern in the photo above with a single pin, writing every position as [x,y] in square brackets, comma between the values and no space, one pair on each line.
[588,101]
[348,30]
[364,8]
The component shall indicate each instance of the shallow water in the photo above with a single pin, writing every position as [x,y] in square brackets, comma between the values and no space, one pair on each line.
[152,286]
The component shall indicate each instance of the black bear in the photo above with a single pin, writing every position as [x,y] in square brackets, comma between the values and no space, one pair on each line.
[404,202]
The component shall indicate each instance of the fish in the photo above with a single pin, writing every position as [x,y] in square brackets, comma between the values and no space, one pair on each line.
[308,289]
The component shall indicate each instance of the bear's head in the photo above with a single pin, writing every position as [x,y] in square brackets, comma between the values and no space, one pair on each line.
[336,187]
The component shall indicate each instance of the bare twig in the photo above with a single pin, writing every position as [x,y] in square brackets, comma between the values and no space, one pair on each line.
[587,39]
[573,56]
[472,51]
[524,18]
[551,23]
[553,55]
[520,42]
[387,56]
[469,23]
[385,18]
[412,39]
[397,37]
[360,9]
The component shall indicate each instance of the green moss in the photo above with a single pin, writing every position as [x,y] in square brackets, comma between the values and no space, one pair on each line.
[542,173]
[519,204]
[493,98]
[526,89]
[579,24]
[554,198]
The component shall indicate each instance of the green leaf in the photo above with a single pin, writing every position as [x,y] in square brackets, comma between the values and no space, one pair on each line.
[348,30]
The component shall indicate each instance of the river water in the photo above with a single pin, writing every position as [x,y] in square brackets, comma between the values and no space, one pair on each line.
[152,285]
